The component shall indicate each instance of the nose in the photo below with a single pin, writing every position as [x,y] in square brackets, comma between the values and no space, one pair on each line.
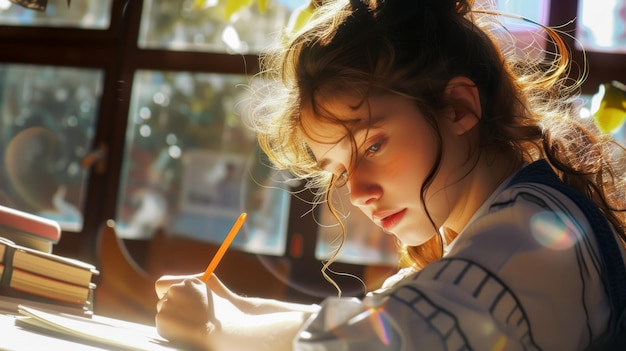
[364,189]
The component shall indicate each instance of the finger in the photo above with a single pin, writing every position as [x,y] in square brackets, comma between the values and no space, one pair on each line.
[187,299]
[163,284]
[190,288]
[160,303]
[185,310]
[218,287]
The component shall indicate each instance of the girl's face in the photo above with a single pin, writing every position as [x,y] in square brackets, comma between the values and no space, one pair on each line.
[395,155]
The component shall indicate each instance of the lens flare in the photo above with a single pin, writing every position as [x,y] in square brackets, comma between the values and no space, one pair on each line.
[32,163]
[551,231]
[488,328]
[500,344]
[380,325]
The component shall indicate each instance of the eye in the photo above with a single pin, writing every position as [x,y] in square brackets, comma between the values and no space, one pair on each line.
[374,148]
[339,180]
[375,145]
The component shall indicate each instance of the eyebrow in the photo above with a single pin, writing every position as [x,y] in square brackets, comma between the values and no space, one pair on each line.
[324,162]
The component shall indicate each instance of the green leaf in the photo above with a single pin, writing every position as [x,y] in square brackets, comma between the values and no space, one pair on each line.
[301,16]
[233,6]
[609,106]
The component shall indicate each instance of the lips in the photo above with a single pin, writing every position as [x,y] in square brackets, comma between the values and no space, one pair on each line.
[389,220]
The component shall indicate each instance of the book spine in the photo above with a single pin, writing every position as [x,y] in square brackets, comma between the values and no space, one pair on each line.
[7,280]
[49,288]
[26,239]
[7,260]
[7,291]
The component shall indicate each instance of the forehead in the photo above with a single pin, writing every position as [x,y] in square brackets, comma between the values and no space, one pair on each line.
[329,120]
[329,124]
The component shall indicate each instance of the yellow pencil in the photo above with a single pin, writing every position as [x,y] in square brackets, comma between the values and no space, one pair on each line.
[220,252]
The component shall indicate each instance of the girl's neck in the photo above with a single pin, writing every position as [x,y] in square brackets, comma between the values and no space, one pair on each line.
[492,168]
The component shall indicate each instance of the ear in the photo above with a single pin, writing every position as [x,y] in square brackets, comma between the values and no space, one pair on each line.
[464,99]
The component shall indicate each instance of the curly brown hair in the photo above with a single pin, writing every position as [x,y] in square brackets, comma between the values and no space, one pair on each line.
[413,48]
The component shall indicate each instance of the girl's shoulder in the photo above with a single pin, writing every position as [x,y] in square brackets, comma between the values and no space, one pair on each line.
[523,216]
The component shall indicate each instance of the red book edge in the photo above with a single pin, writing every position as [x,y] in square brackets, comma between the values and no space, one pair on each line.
[30,223]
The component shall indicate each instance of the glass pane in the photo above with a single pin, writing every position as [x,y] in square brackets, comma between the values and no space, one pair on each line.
[530,38]
[182,25]
[191,166]
[365,242]
[536,10]
[48,124]
[84,14]
[601,25]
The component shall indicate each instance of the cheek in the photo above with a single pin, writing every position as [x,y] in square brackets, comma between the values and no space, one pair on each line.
[409,170]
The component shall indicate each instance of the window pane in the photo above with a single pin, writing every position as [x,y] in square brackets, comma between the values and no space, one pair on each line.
[181,25]
[48,122]
[601,25]
[530,38]
[84,14]
[365,242]
[522,20]
[536,10]
[191,166]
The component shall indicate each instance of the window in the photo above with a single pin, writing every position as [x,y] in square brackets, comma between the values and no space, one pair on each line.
[602,26]
[366,243]
[188,158]
[191,166]
[212,26]
[48,124]
[49,115]
[84,14]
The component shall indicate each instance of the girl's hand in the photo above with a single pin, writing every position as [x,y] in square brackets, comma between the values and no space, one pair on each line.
[185,311]
[210,316]
[163,284]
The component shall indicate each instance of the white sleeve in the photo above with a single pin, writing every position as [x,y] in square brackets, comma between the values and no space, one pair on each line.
[453,304]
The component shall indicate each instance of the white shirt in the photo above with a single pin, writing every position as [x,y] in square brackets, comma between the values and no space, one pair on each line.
[522,275]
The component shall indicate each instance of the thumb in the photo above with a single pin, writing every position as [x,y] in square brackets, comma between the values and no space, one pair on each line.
[219,288]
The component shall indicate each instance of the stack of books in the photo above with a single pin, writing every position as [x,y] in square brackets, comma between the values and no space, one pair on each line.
[34,276]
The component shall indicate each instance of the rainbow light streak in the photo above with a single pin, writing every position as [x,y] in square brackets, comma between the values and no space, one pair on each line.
[380,325]
[500,344]
[550,231]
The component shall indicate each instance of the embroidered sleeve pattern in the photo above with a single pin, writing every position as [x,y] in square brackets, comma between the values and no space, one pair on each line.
[490,297]
[453,304]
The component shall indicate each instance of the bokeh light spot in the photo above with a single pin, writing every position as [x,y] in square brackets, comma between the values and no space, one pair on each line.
[549,229]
